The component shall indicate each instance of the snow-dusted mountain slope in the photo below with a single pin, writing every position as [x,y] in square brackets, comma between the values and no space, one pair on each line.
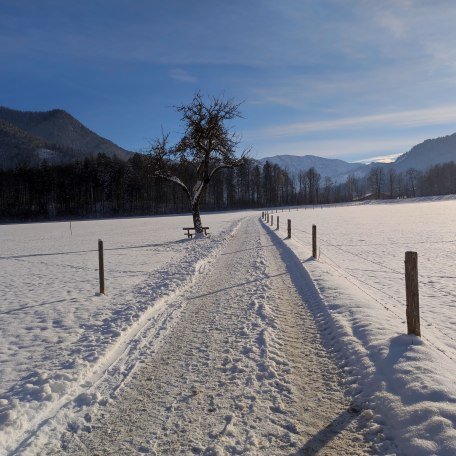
[428,153]
[421,157]
[334,168]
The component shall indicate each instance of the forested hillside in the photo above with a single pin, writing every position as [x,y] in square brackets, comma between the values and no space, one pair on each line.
[26,137]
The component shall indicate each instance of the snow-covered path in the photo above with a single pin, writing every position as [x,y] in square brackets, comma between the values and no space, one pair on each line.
[242,370]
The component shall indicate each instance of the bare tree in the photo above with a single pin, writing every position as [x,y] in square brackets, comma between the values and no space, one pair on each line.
[328,184]
[392,177]
[313,184]
[350,184]
[207,146]
[376,179]
[302,187]
[412,177]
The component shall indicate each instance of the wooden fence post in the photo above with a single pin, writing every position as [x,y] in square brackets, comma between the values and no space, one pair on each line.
[101,266]
[277,222]
[267,217]
[411,291]
[314,241]
[272,220]
[289,229]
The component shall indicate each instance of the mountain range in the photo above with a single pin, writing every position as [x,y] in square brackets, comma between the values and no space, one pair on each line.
[421,157]
[28,137]
[331,167]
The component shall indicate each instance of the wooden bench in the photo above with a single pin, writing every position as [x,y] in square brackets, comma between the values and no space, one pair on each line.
[190,235]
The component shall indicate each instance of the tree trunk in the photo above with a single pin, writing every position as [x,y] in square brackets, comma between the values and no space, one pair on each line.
[197,219]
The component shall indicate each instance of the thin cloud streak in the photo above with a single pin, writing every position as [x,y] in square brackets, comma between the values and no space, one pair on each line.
[379,159]
[178,74]
[411,118]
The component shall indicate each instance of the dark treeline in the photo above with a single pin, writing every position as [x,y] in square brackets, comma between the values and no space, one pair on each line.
[385,182]
[106,187]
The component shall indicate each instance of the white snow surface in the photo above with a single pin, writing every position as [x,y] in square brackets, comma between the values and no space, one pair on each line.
[58,335]
[62,343]
[240,368]
[408,383]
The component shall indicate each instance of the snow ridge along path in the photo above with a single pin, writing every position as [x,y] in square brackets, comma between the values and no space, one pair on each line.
[243,370]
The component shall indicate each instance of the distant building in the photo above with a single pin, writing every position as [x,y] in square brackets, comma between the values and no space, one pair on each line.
[372,196]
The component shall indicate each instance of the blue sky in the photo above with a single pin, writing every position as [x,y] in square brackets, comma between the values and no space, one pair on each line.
[336,78]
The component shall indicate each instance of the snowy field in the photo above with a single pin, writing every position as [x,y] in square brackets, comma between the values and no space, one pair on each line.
[58,335]
[61,340]
[360,277]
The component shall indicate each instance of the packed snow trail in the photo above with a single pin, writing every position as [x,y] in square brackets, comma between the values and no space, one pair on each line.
[243,370]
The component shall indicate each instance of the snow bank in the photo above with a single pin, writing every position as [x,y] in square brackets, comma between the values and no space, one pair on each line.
[405,383]
[59,335]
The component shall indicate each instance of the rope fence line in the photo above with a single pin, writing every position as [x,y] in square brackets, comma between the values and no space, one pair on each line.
[389,296]
[336,266]
[449,294]
[424,284]
[356,281]
[440,277]
[441,350]
[439,330]
[305,232]
[369,270]
[396,243]
[395,271]
[377,263]
[392,270]
[340,269]
[360,280]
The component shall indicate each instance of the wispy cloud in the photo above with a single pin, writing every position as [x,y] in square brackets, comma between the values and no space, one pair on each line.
[392,23]
[411,118]
[181,75]
[310,70]
[379,159]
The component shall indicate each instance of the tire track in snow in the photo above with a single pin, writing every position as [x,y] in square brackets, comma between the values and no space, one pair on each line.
[242,372]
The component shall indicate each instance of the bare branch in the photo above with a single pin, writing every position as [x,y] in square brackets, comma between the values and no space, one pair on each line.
[230,165]
[174,179]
